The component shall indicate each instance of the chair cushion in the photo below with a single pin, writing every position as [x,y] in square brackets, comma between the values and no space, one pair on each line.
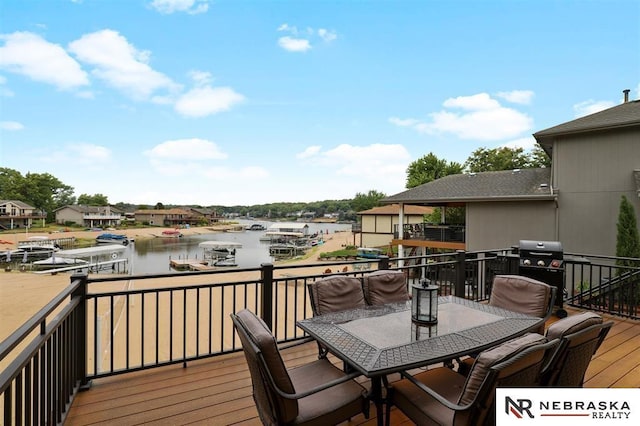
[421,407]
[383,286]
[520,294]
[572,324]
[486,359]
[330,406]
[336,293]
[264,340]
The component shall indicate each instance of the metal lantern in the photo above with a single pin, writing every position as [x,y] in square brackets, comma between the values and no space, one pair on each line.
[424,302]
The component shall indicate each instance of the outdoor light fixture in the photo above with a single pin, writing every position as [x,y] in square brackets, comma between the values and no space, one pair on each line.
[424,302]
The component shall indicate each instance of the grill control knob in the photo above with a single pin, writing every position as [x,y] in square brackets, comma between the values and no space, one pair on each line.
[526,262]
[555,263]
[540,262]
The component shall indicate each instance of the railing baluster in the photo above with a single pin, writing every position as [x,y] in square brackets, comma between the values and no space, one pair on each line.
[170,325]
[184,326]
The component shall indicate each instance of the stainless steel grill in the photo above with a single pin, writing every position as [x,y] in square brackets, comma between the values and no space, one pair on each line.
[543,261]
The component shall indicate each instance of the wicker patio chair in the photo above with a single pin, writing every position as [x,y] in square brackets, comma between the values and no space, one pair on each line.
[313,394]
[520,294]
[525,295]
[385,286]
[580,337]
[441,396]
[333,294]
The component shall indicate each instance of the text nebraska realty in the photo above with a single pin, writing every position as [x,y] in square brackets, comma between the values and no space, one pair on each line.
[597,409]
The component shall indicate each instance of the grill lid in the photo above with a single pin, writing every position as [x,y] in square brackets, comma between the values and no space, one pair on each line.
[540,248]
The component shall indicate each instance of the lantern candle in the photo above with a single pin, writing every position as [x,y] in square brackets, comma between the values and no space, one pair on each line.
[424,302]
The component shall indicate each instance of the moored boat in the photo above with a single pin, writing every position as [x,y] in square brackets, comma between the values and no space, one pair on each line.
[256,227]
[172,233]
[108,238]
[59,261]
[369,252]
[220,253]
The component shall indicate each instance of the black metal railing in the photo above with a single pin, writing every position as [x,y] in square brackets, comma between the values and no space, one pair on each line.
[431,232]
[104,325]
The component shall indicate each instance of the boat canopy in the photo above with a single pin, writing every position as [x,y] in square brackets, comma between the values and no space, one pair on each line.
[219,245]
[284,234]
[92,251]
[56,260]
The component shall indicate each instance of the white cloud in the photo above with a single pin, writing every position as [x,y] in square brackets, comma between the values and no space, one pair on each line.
[294,44]
[483,119]
[201,78]
[300,41]
[286,27]
[83,154]
[3,90]
[184,156]
[192,7]
[523,97]
[203,101]
[309,152]
[29,54]
[590,107]
[86,153]
[481,101]
[11,126]
[200,158]
[379,166]
[120,64]
[327,35]
[407,122]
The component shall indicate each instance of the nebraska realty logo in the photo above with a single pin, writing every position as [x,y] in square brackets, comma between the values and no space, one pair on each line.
[551,406]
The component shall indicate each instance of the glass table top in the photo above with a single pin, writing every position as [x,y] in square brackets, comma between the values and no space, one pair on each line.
[382,339]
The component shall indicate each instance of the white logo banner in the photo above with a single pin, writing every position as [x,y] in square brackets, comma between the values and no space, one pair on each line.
[567,406]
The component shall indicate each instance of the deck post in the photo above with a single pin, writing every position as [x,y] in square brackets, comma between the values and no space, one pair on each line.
[383,262]
[460,273]
[81,329]
[266,299]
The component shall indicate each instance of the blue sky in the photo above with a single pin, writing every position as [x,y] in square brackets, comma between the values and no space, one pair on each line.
[249,102]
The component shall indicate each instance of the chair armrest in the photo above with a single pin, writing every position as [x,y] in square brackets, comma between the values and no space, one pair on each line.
[552,302]
[450,405]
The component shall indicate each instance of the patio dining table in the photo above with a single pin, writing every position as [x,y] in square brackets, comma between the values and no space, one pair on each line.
[380,340]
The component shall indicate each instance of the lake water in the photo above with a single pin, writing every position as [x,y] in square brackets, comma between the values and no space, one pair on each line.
[152,255]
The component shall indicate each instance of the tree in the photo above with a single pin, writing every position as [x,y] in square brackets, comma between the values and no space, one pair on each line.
[11,184]
[429,168]
[538,158]
[93,200]
[47,193]
[628,241]
[367,201]
[159,206]
[493,160]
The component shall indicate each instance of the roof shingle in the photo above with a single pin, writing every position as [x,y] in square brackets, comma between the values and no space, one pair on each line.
[486,186]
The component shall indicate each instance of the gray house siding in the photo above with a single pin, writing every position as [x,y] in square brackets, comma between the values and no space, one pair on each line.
[591,172]
[495,225]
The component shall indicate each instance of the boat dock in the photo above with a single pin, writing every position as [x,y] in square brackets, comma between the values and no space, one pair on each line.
[64,242]
[190,265]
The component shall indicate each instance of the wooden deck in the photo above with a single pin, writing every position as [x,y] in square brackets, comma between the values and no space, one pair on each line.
[218,391]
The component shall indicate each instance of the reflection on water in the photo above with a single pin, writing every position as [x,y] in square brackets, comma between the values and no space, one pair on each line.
[152,255]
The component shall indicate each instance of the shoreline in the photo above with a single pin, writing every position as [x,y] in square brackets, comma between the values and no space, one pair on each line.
[23,294]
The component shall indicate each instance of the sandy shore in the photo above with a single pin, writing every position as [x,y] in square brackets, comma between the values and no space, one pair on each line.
[22,294]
